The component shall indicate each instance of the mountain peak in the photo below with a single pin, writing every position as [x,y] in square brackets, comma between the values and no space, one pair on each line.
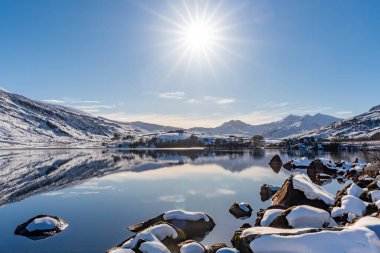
[235,123]
[375,108]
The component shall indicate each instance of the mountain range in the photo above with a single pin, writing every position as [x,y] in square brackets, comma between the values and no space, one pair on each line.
[365,126]
[24,121]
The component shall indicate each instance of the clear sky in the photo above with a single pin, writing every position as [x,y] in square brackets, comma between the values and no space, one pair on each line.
[194,63]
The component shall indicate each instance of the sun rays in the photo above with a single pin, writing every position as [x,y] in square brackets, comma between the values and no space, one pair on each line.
[197,35]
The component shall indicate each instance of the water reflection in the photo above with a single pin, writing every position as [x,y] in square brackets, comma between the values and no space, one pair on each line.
[101,192]
[26,173]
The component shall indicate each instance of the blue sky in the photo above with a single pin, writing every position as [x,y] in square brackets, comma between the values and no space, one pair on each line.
[122,59]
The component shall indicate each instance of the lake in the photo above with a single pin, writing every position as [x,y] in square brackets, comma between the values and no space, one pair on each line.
[99,193]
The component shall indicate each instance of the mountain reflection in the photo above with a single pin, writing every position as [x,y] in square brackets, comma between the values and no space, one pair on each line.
[29,172]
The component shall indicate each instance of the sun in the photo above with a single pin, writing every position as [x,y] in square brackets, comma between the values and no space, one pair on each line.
[198,34]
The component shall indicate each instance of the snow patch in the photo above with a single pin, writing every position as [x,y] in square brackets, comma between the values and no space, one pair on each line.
[350,204]
[185,215]
[45,223]
[312,191]
[306,216]
[192,247]
[269,216]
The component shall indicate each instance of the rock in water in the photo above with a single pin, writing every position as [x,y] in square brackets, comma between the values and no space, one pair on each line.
[41,227]
[241,210]
[276,163]
[191,246]
[299,190]
[267,191]
[215,247]
[195,225]
[159,238]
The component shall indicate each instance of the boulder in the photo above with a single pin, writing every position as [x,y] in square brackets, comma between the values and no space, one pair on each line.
[301,163]
[326,240]
[302,217]
[241,210]
[321,166]
[265,217]
[215,247]
[191,246]
[195,225]
[161,237]
[267,191]
[276,163]
[41,227]
[299,190]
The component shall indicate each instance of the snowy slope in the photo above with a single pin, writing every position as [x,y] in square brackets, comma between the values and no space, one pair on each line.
[290,125]
[363,126]
[27,122]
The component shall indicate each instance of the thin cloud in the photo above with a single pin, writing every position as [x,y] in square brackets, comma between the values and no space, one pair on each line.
[344,113]
[54,101]
[219,101]
[177,95]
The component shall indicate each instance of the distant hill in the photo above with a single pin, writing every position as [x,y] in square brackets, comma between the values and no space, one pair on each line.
[24,121]
[365,126]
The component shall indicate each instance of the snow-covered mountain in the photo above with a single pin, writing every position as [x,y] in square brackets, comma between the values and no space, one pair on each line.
[365,126]
[152,127]
[290,125]
[28,122]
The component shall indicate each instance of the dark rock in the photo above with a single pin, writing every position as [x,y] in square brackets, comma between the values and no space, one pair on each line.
[288,196]
[340,194]
[239,212]
[54,225]
[364,182]
[192,229]
[267,191]
[317,167]
[275,163]
[214,248]
[371,209]
[373,186]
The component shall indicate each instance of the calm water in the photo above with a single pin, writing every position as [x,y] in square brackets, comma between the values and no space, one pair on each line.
[101,192]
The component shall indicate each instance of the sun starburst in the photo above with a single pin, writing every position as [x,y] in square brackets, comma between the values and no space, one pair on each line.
[198,34]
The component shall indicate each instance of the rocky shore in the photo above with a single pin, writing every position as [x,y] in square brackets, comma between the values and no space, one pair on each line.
[302,216]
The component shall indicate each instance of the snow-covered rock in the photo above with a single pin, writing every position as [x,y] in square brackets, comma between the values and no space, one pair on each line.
[273,240]
[192,247]
[269,216]
[267,191]
[227,250]
[193,224]
[355,190]
[311,190]
[302,217]
[41,226]
[185,215]
[300,190]
[241,210]
[350,204]
[154,233]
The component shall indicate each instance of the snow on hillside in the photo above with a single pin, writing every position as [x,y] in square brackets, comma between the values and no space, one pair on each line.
[25,122]
[365,126]
[290,125]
